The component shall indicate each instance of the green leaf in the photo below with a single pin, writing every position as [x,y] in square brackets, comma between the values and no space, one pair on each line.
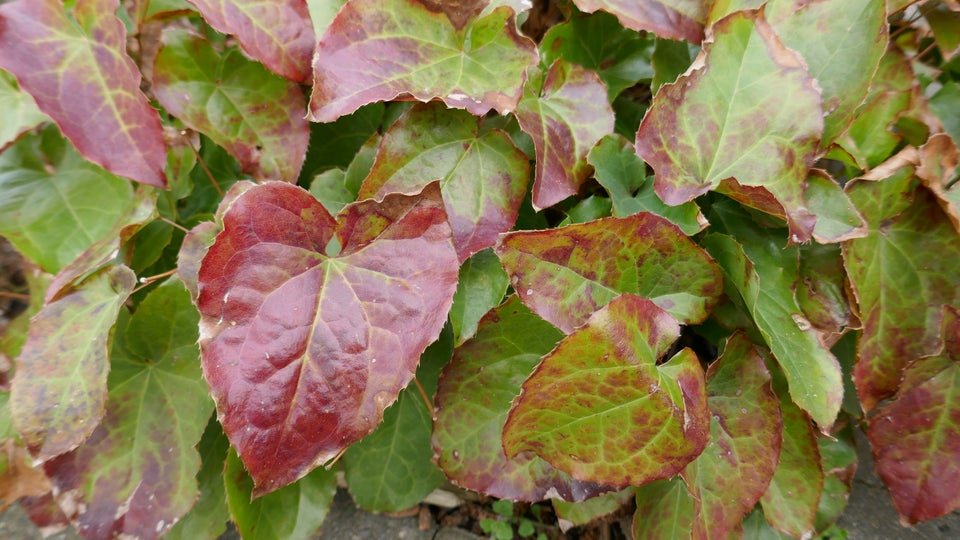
[600,408]
[750,112]
[292,512]
[565,116]
[674,19]
[136,474]
[755,527]
[480,288]
[336,144]
[670,59]
[944,105]
[664,510]
[254,114]
[18,109]
[623,175]
[483,177]
[208,517]
[407,48]
[566,274]
[580,513]
[837,217]
[945,23]
[57,398]
[821,290]
[322,13]
[337,188]
[839,461]
[76,65]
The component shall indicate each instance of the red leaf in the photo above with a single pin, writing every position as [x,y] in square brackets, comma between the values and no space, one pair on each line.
[672,19]
[80,75]
[303,351]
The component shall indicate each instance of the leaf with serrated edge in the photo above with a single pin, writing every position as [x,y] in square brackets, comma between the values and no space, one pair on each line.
[77,68]
[473,398]
[566,274]
[58,393]
[252,113]
[483,177]
[749,110]
[481,287]
[565,118]
[303,351]
[277,33]
[735,468]
[136,474]
[374,52]
[901,274]
[601,409]
[19,110]
[664,510]
[676,19]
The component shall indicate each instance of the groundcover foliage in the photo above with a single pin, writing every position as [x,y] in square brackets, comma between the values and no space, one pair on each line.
[667,254]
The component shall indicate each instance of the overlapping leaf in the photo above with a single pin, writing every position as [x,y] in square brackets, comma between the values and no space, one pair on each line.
[676,19]
[254,114]
[302,350]
[837,217]
[600,408]
[664,510]
[566,274]
[375,52]
[902,274]
[571,514]
[18,109]
[821,290]
[838,457]
[473,398]
[483,177]
[209,516]
[58,393]
[77,68]
[938,159]
[480,288]
[749,111]
[136,474]
[279,34]
[565,115]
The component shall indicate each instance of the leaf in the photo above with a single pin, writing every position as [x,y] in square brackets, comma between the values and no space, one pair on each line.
[943,103]
[336,188]
[303,351]
[566,274]
[252,113]
[18,478]
[945,24]
[76,66]
[57,398]
[938,160]
[136,474]
[372,52]
[483,177]
[19,111]
[749,110]
[601,409]
[764,274]
[208,517]
[837,217]
[901,274]
[279,34]
[481,286]
[735,468]
[839,461]
[677,19]
[571,514]
[621,57]
[916,437]
[473,398]
[664,510]
[670,59]
[336,144]
[821,290]
[322,13]
[623,175]
[565,117]
[293,512]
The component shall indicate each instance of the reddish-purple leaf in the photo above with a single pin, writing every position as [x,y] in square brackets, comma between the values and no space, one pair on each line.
[673,19]
[565,116]
[376,51]
[303,350]
[566,274]
[277,33]
[600,408]
[78,70]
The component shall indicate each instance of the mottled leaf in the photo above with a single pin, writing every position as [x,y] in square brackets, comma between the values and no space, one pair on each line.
[566,274]
[736,467]
[76,67]
[18,109]
[136,474]
[675,19]
[254,114]
[837,217]
[375,52]
[901,274]
[570,514]
[480,288]
[664,510]
[483,177]
[279,34]
[623,174]
[58,393]
[302,350]
[601,409]
[208,517]
[565,115]
[474,395]
[748,111]
[938,160]
[293,512]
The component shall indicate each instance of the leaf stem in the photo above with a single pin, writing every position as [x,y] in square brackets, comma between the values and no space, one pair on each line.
[173,224]
[146,281]
[203,165]
[18,296]
[423,394]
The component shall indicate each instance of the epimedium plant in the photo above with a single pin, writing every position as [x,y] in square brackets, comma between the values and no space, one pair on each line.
[660,254]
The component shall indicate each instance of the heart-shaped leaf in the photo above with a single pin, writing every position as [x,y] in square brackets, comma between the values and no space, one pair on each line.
[600,408]
[377,52]
[303,350]
[566,274]
[674,19]
[76,67]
